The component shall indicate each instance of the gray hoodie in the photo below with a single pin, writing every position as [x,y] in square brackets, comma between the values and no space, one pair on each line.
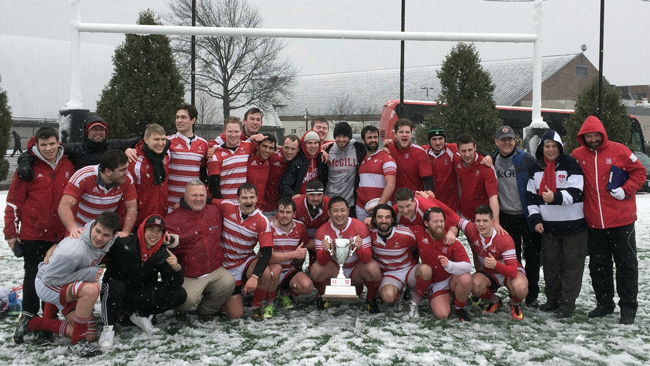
[73,260]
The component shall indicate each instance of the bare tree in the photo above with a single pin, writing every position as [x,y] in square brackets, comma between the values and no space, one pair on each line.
[208,109]
[241,71]
[343,106]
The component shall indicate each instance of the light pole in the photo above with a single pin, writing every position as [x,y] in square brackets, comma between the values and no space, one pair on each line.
[306,120]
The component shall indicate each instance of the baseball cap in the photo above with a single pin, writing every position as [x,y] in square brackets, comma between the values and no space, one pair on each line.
[505,131]
[155,220]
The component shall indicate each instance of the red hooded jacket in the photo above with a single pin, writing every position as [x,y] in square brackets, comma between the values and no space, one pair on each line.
[32,207]
[603,211]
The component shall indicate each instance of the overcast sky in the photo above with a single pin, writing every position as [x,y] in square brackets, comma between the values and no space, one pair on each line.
[35,34]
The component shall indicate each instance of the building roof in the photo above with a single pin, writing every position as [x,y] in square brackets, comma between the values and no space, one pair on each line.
[369,90]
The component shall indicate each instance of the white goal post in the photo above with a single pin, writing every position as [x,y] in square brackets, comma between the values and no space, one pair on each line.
[77,27]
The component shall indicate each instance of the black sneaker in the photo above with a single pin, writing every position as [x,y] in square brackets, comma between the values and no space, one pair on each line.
[21,328]
[532,304]
[84,348]
[462,315]
[44,337]
[563,313]
[549,306]
[407,294]
[627,316]
[372,306]
[600,311]
[256,314]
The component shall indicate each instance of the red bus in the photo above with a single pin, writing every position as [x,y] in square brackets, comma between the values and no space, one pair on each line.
[516,117]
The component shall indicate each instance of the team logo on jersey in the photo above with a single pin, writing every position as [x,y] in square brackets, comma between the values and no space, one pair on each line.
[444,249]
[406,156]
[95,190]
[477,173]
[608,161]
[425,241]
[67,174]
[254,162]
[583,162]
[561,178]
[179,146]
[277,163]
[233,216]
[39,175]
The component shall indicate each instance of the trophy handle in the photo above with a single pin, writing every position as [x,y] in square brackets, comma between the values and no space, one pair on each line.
[354,247]
[330,248]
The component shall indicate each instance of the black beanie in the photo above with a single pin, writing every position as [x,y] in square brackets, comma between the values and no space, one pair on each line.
[437,131]
[343,128]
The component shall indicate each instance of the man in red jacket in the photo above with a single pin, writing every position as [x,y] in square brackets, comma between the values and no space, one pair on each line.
[31,217]
[610,213]
[207,282]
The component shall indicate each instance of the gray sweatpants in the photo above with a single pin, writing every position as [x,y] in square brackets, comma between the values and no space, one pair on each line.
[564,264]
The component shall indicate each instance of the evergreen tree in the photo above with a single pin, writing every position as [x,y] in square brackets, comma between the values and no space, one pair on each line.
[146,85]
[615,118]
[465,102]
[5,130]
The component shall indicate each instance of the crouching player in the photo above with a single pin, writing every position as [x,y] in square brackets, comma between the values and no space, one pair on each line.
[450,265]
[392,247]
[359,267]
[70,281]
[498,258]
[289,241]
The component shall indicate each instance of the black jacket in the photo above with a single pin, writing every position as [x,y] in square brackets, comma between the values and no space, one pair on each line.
[88,152]
[295,174]
[125,264]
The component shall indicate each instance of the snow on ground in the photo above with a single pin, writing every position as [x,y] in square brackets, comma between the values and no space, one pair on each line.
[348,335]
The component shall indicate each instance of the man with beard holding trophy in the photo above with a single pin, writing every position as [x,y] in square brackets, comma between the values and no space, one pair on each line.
[351,239]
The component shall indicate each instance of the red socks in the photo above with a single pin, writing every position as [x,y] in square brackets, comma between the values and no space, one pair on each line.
[258,297]
[373,287]
[490,296]
[38,323]
[421,286]
[80,329]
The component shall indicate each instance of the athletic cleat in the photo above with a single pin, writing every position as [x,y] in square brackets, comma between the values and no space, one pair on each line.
[143,323]
[84,348]
[106,339]
[21,328]
[268,312]
[287,302]
[407,294]
[475,301]
[44,337]
[515,311]
[322,304]
[256,314]
[372,306]
[413,311]
[462,315]
[492,307]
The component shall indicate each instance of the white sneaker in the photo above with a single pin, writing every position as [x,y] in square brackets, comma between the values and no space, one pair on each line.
[143,323]
[106,339]
[413,312]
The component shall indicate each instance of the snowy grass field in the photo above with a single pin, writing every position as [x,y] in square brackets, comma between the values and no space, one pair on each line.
[348,335]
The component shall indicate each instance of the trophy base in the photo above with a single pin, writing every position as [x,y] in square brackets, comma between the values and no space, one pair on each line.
[340,290]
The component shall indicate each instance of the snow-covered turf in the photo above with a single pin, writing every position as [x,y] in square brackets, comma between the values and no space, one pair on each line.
[348,335]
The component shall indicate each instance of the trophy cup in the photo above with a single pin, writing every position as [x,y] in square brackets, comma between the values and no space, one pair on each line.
[341,287]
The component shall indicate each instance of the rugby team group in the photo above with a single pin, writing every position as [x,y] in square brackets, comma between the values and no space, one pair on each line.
[178,222]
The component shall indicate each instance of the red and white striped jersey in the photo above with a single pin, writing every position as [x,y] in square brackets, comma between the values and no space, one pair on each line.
[429,249]
[397,251]
[372,173]
[312,223]
[231,165]
[258,174]
[353,228]
[421,205]
[239,236]
[500,246]
[187,157]
[284,242]
[92,198]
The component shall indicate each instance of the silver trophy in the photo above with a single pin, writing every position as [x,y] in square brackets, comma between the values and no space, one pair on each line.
[341,286]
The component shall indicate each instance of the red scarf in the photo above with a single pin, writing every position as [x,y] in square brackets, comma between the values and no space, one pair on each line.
[145,253]
[548,179]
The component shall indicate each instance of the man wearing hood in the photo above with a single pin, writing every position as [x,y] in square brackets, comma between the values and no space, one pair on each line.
[345,157]
[131,285]
[610,211]
[69,280]
[307,165]
[555,207]
[31,217]
[150,172]
[84,153]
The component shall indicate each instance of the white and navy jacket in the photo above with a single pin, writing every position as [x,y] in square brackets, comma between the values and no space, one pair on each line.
[565,215]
